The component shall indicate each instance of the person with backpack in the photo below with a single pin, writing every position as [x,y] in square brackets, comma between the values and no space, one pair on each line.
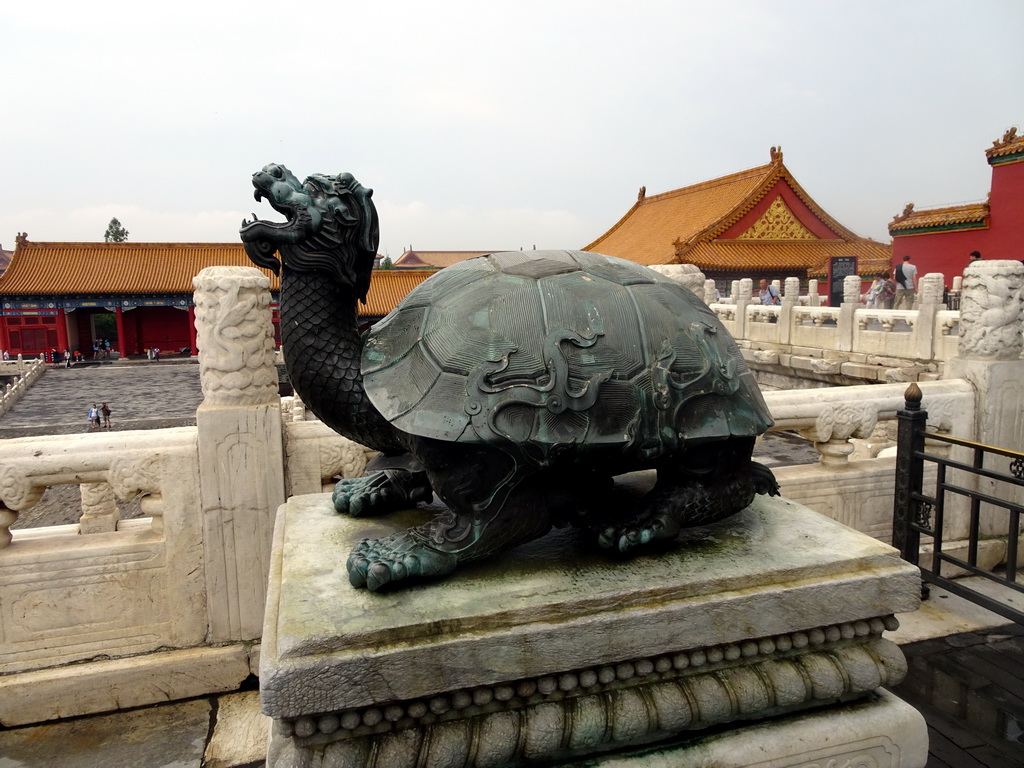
[906,283]
[769,294]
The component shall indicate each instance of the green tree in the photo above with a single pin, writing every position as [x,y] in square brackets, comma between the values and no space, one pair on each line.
[387,263]
[115,232]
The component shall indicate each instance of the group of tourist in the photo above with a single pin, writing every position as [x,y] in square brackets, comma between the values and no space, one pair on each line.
[100,348]
[889,290]
[99,416]
[886,293]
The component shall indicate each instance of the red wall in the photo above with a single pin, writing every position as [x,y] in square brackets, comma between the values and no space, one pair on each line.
[1007,203]
[31,334]
[947,252]
[166,328]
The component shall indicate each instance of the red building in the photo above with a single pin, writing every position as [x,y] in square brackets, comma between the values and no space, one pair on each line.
[57,296]
[941,239]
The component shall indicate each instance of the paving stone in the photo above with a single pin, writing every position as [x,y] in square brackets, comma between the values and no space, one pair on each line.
[240,735]
[165,736]
[140,395]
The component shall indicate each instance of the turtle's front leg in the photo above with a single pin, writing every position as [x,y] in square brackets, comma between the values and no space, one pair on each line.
[451,538]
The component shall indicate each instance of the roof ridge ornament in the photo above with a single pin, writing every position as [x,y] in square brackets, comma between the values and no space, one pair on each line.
[641,194]
[776,154]
[1008,138]
[907,210]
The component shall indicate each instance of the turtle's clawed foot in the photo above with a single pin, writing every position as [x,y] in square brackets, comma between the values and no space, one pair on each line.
[376,563]
[381,492]
[628,536]
[764,480]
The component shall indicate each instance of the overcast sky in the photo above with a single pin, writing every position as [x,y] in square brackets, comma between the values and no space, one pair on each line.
[488,126]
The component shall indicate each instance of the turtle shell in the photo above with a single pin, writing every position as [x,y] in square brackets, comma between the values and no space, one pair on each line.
[560,348]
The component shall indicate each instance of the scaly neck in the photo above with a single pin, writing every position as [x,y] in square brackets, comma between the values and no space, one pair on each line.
[322,350]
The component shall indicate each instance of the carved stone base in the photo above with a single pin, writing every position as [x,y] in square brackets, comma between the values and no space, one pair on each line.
[550,653]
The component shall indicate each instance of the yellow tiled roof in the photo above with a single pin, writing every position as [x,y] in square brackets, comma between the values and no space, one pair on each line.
[116,268]
[435,259]
[68,269]
[647,232]
[971,213]
[811,256]
[389,286]
[662,229]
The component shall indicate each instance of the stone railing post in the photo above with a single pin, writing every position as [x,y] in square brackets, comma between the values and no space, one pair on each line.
[709,292]
[240,445]
[99,509]
[744,297]
[851,300]
[790,299]
[734,290]
[929,302]
[813,298]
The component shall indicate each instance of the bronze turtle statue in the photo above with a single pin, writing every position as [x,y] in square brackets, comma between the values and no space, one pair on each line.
[515,386]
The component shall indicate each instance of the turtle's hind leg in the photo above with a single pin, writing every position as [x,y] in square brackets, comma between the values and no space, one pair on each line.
[378,493]
[685,497]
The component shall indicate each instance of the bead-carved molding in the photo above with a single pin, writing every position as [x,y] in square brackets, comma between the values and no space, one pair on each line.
[632,701]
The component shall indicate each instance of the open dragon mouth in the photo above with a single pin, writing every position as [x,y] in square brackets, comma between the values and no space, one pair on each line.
[285,210]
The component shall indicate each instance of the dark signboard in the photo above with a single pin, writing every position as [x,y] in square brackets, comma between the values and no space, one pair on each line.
[838,268]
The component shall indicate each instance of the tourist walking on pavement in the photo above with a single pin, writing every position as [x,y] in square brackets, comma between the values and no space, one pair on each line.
[906,283]
[94,417]
[105,412]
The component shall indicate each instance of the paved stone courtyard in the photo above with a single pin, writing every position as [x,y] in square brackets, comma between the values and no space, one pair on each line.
[143,395]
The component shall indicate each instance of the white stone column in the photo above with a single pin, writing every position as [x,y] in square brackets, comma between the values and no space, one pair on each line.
[240,445]
[989,356]
[99,509]
[744,297]
[709,292]
[813,299]
[790,299]
[851,300]
[928,302]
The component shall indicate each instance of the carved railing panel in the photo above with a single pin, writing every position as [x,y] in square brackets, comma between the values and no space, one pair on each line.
[122,589]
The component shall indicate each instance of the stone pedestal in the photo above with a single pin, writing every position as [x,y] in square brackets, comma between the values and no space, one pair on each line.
[552,654]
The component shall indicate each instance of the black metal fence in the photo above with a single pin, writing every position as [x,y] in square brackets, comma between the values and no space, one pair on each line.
[921,509]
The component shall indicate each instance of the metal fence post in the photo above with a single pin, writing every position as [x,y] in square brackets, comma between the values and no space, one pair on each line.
[909,474]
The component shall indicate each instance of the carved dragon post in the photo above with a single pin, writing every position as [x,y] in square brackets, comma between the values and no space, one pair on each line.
[240,445]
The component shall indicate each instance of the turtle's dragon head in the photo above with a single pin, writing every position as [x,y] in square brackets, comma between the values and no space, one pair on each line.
[331,226]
